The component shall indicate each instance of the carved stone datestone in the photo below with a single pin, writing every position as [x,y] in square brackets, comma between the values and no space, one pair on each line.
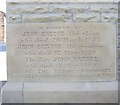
[61,52]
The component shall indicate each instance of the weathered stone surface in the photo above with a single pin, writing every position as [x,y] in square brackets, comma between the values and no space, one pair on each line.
[61,52]
[109,17]
[26,8]
[14,18]
[86,17]
[82,11]
[45,11]
[104,8]
[46,18]
[60,0]
[69,8]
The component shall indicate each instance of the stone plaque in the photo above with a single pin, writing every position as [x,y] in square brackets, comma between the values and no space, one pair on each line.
[61,52]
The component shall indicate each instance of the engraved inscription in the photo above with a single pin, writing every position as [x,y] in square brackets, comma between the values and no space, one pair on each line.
[61,52]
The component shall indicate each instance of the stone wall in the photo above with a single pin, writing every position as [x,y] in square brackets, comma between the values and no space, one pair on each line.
[41,12]
[2,15]
[61,12]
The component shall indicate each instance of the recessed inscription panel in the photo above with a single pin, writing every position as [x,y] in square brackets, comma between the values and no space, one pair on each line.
[61,52]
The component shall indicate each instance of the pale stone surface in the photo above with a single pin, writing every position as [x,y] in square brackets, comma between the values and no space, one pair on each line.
[46,57]
[93,92]
[86,17]
[27,8]
[61,17]
[68,87]
[60,1]
[72,97]
[103,92]
[104,8]
[69,8]
[14,18]
[47,8]
[109,17]
[12,93]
